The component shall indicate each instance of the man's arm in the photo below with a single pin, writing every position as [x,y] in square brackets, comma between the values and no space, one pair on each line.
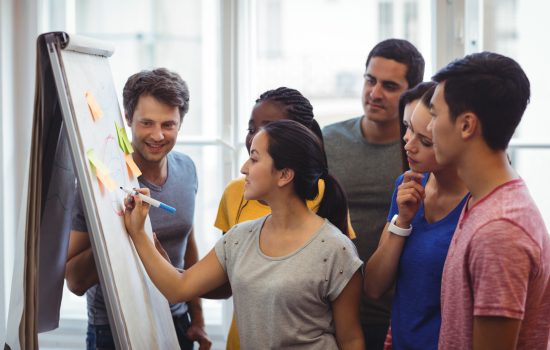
[500,282]
[80,269]
[196,331]
[499,333]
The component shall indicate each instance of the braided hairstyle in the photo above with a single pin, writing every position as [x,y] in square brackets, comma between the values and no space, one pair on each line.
[299,111]
[296,107]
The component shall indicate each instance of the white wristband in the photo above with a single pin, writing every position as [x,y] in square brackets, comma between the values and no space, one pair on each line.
[393,228]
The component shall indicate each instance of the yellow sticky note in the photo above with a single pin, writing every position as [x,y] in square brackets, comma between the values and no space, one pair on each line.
[132,166]
[96,111]
[98,164]
[106,180]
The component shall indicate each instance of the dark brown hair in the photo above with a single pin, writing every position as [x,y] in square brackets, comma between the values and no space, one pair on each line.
[165,86]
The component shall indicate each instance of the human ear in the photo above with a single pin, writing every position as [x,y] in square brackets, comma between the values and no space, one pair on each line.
[286,176]
[469,125]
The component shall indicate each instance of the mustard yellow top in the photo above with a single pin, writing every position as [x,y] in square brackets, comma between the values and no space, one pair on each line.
[234,209]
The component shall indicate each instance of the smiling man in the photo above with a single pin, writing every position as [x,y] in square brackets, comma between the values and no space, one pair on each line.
[364,154]
[495,291]
[155,103]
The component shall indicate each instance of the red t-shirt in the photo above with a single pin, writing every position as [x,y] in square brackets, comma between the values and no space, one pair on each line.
[498,264]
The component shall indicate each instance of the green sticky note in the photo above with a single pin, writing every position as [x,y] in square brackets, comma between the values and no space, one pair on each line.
[127,143]
[123,142]
[98,164]
[119,138]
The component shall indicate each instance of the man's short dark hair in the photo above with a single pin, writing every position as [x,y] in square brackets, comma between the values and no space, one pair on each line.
[403,52]
[165,86]
[492,86]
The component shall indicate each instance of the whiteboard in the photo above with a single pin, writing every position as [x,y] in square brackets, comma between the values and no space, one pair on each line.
[139,314]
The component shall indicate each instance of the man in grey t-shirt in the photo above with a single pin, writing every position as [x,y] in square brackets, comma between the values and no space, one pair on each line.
[155,103]
[365,155]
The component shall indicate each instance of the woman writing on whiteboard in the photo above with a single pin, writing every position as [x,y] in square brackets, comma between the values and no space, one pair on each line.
[272,260]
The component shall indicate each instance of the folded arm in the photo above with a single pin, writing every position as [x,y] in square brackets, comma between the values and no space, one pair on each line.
[80,268]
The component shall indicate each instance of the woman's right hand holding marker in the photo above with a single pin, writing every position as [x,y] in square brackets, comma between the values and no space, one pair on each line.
[135,212]
[410,195]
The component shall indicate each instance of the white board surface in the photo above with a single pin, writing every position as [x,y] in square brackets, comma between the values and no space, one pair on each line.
[138,311]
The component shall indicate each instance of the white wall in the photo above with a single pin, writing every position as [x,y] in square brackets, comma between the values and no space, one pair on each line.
[19,28]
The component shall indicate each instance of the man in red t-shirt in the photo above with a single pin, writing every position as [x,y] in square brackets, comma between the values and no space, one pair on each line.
[495,291]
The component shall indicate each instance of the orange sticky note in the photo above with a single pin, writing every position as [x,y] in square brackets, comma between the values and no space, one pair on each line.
[132,166]
[106,180]
[96,111]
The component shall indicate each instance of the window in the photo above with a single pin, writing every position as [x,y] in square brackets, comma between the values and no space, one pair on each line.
[323,46]
[509,27]
[246,47]
[317,47]
[385,8]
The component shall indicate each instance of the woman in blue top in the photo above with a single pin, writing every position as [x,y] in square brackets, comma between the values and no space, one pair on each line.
[425,209]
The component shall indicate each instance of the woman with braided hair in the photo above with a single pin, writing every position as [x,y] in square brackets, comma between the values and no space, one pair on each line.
[278,104]
[295,277]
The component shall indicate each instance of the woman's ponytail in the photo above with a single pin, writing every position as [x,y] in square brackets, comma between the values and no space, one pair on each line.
[334,205]
[294,146]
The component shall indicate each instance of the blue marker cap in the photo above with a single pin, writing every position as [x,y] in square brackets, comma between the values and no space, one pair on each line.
[167,208]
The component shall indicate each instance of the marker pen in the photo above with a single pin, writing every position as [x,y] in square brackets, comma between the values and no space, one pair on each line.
[150,200]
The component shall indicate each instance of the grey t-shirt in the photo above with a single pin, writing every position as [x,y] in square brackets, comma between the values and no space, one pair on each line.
[367,173]
[172,230]
[285,302]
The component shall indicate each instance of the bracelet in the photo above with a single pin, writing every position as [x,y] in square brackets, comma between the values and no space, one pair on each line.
[393,228]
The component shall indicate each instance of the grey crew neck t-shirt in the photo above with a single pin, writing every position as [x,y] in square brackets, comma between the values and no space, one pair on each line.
[367,173]
[172,230]
[285,302]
